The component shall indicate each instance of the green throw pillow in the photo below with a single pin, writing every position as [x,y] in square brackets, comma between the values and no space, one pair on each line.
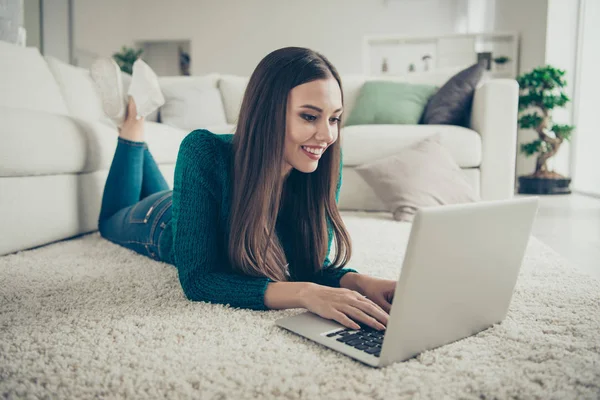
[385,102]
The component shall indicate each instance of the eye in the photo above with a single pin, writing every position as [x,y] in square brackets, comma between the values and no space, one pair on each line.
[337,120]
[309,116]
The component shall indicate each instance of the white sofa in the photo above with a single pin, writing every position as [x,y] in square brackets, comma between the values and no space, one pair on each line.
[56,146]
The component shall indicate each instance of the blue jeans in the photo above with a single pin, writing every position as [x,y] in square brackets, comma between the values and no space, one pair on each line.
[136,204]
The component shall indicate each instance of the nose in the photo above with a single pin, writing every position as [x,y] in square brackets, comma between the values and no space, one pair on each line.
[327,133]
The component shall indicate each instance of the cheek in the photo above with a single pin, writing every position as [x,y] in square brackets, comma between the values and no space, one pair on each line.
[292,144]
[299,133]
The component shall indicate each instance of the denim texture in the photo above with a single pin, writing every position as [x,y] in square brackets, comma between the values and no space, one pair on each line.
[136,203]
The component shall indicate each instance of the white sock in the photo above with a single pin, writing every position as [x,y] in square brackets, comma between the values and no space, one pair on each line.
[145,89]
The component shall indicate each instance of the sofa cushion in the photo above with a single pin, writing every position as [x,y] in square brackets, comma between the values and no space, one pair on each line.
[191,102]
[40,143]
[163,141]
[26,80]
[78,89]
[201,81]
[381,102]
[232,91]
[352,83]
[356,194]
[385,140]
[233,87]
[421,175]
[70,145]
[452,103]
[221,129]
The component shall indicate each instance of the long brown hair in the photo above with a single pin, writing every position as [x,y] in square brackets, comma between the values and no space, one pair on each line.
[262,199]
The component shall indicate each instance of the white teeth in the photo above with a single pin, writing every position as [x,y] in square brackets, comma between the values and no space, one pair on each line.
[313,151]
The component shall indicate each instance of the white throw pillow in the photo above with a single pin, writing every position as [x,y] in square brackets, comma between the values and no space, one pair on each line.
[26,80]
[77,88]
[422,175]
[232,91]
[190,105]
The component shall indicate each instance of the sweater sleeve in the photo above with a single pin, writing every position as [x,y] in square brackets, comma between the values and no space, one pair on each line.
[199,256]
[330,276]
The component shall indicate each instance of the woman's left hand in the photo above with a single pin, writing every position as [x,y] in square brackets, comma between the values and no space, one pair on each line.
[379,291]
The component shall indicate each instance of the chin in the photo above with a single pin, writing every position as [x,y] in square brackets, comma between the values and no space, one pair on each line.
[307,168]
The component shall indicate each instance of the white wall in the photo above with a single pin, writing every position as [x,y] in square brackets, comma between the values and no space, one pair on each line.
[474,16]
[586,173]
[232,36]
[55,29]
[529,19]
[111,28]
[31,22]
[11,18]
[561,52]
[163,56]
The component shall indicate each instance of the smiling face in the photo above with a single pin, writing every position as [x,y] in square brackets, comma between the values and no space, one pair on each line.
[313,112]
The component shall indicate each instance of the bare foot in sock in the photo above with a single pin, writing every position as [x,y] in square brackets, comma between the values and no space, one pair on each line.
[133,128]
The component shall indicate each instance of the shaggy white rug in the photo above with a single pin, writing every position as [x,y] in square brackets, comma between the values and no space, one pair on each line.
[86,318]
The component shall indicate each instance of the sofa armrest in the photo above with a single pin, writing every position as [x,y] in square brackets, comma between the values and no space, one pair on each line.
[34,142]
[494,117]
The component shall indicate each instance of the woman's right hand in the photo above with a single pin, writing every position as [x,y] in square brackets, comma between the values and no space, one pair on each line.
[345,306]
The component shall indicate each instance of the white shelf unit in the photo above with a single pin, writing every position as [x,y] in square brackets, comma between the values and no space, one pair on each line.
[447,52]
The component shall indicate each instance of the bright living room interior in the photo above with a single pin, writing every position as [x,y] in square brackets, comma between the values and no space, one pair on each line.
[227,39]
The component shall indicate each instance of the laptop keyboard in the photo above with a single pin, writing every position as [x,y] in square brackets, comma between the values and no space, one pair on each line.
[366,339]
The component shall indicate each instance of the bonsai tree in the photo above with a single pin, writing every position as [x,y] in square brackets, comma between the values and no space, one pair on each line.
[126,57]
[541,91]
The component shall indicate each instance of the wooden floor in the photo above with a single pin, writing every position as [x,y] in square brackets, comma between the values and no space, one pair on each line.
[570,224]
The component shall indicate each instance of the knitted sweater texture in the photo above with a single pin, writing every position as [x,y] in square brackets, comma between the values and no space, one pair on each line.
[196,238]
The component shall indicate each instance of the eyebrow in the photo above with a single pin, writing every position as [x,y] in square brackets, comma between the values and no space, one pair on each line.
[317,108]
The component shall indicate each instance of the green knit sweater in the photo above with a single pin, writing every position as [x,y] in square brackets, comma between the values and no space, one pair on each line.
[196,238]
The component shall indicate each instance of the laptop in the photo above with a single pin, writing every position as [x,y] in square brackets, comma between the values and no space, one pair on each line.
[457,279]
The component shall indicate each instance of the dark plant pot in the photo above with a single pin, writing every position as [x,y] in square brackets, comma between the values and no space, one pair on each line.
[531,185]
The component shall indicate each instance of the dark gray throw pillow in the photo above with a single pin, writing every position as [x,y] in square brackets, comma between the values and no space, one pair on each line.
[451,105]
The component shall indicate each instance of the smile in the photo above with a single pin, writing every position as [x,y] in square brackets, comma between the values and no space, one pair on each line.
[313,153]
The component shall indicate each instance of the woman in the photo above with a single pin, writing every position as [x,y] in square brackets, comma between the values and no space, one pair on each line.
[252,216]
